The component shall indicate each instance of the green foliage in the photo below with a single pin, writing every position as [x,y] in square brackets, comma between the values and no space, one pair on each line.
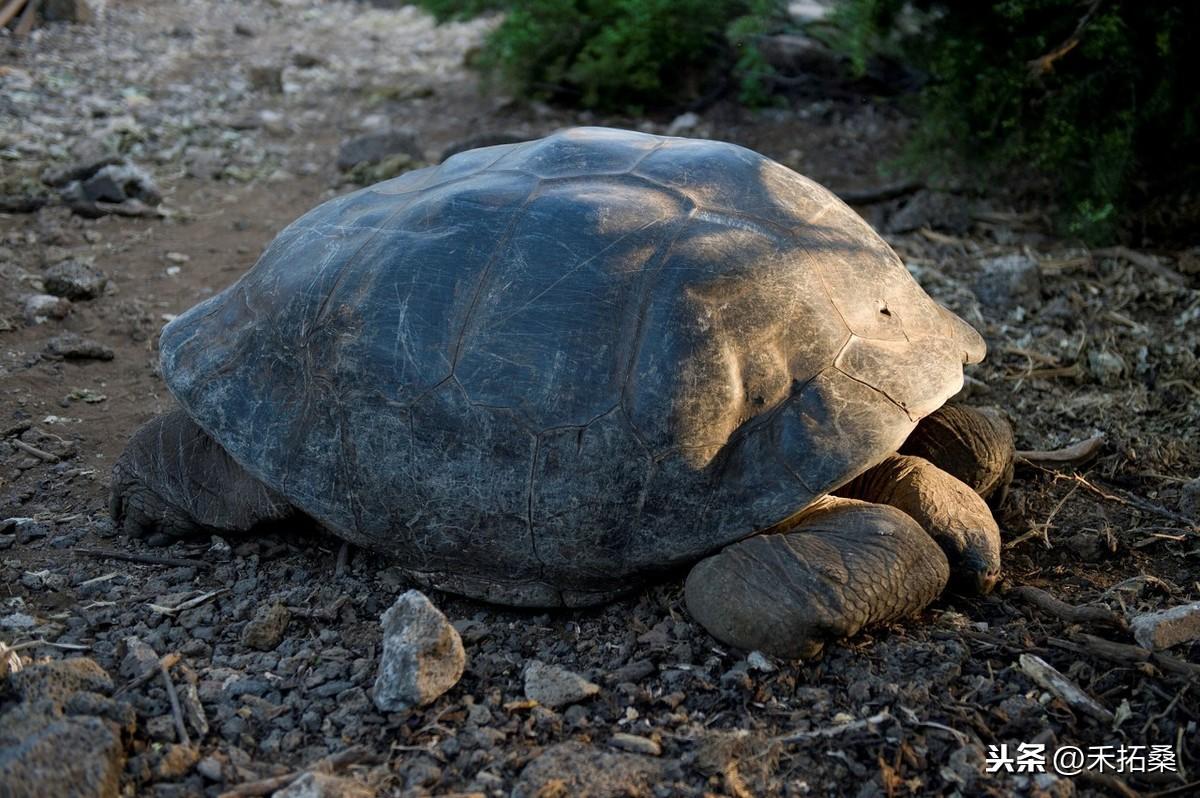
[623,55]
[445,10]
[1098,97]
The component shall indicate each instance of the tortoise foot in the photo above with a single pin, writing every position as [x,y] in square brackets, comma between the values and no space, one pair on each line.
[845,565]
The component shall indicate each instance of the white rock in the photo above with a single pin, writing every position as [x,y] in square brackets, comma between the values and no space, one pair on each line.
[423,655]
[1166,628]
[552,686]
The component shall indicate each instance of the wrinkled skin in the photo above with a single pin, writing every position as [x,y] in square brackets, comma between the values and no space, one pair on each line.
[541,374]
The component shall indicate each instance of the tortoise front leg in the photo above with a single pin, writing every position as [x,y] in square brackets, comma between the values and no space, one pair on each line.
[972,444]
[948,509]
[174,480]
[837,567]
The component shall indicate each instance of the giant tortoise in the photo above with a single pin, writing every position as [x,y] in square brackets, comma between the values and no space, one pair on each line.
[541,374]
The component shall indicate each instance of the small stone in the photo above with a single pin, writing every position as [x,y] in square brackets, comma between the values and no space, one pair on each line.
[1189,499]
[266,77]
[211,768]
[305,60]
[759,662]
[583,771]
[323,785]
[376,147]
[422,658]
[71,346]
[936,210]
[79,11]
[1166,628]
[683,124]
[267,628]
[175,760]
[1106,367]
[40,307]
[121,182]
[635,743]
[74,280]
[552,686]
[139,659]
[1008,282]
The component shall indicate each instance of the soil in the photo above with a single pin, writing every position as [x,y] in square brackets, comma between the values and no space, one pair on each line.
[237,110]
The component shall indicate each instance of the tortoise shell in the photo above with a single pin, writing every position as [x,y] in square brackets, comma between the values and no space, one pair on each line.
[539,372]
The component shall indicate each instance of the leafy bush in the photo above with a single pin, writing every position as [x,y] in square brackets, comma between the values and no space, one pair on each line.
[1098,97]
[623,54]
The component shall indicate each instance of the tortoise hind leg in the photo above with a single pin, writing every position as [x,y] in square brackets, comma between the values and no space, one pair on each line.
[174,480]
[834,569]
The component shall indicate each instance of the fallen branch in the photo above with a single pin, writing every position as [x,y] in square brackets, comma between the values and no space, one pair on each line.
[9,11]
[267,786]
[1074,455]
[1043,65]
[1068,612]
[1143,261]
[145,559]
[176,710]
[1054,682]
[189,604]
[34,451]
[834,731]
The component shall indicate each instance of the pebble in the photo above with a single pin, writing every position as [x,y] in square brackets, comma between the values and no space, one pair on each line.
[1167,628]
[74,280]
[1106,367]
[552,686]
[1189,499]
[38,308]
[1008,282]
[266,630]
[376,147]
[72,346]
[635,743]
[423,655]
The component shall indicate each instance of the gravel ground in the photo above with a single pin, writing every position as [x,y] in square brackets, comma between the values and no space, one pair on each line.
[235,112]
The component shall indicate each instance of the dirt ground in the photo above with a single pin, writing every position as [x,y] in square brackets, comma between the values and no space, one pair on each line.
[237,110]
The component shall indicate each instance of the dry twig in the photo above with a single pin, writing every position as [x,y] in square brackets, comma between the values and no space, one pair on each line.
[1073,455]
[1051,680]
[145,559]
[1068,612]
[176,710]
[267,786]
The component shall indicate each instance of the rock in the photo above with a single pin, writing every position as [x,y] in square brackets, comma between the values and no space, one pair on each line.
[174,761]
[1189,499]
[422,656]
[68,10]
[40,307]
[204,163]
[582,771]
[552,686]
[266,77]
[797,54]
[1106,367]
[376,147]
[1007,282]
[267,628]
[937,210]
[121,182]
[74,280]
[683,124]
[635,743]
[140,659]
[1167,628]
[305,60]
[71,346]
[323,785]
[43,754]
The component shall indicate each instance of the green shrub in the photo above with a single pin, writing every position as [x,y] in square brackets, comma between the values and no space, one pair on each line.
[623,55]
[1099,98]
